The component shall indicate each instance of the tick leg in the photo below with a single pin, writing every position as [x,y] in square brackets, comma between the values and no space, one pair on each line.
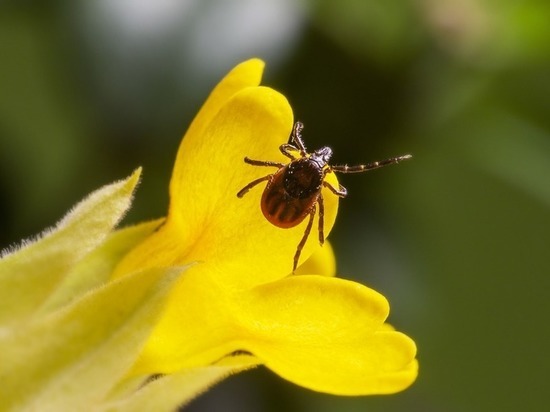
[263,163]
[321,219]
[304,238]
[249,186]
[286,149]
[296,137]
[341,192]
[369,166]
[295,142]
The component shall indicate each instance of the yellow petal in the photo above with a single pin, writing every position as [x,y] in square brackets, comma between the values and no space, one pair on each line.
[246,74]
[235,246]
[207,222]
[196,329]
[382,364]
[322,262]
[326,334]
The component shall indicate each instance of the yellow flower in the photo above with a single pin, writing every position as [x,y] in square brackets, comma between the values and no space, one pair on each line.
[238,296]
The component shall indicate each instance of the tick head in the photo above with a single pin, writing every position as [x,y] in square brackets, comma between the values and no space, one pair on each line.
[322,155]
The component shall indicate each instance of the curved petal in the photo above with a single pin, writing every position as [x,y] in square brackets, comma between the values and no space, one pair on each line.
[327,334]
[322,262]
[383,364]
[246,74]
[207,222]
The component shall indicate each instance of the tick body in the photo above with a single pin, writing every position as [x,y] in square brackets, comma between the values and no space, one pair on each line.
[293,192]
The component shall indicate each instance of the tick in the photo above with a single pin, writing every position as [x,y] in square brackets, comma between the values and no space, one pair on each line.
[293,191]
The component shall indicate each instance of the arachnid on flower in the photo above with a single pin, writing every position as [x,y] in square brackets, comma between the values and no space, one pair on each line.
[222,271]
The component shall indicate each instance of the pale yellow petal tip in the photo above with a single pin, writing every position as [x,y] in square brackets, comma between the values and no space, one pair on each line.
[135,177]
[131,183]
[137,172]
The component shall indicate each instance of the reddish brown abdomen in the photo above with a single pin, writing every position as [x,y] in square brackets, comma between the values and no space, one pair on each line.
[280,208]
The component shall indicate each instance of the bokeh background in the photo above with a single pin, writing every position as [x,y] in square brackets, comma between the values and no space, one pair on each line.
[457,238]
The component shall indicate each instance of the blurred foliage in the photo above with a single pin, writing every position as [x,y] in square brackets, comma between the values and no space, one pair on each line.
[455,238]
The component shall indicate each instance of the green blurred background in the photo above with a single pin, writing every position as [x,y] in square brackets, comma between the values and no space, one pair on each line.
[456,238]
